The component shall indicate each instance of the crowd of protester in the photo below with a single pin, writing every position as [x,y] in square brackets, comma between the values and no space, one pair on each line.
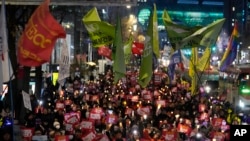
[98,110]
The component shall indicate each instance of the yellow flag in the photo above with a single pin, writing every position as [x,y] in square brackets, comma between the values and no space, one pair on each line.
[193,62]
[165,16]
[176,32]
[205,36]
[194,84]
[204,61]
[192,70]
[128,50]
[92,15]
[155,33]
[101,33]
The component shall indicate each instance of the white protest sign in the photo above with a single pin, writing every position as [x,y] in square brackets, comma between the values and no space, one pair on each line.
[40,138]
[86,124]
[26,100]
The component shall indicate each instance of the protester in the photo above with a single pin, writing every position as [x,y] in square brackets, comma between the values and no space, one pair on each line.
[100,110]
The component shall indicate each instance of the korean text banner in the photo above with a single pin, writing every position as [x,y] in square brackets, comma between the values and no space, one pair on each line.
[101,33]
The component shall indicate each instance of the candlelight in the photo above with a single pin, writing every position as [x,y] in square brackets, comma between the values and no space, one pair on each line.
[138,105]
[181,119]
[139,102]
[120,124]
[177,116]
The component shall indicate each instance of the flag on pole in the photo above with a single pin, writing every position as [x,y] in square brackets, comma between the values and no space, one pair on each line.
[39,36]
[231,51]
[64,66]
[193,62]
[146,68]
[128,50]
[119,67]
[175,59]
[5,66]
[155,33]
[193,71]
[205,36]
[101,33]
[176,32]
[204,61]
[211,33]
[166,17]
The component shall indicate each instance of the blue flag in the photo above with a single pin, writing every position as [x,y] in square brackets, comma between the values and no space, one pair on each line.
[174,59]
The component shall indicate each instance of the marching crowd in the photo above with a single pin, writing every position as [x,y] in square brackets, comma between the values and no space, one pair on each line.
[98,110]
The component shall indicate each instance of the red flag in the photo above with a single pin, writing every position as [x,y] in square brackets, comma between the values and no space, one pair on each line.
[181,66]
[105,51]
[137,48]
[39,37]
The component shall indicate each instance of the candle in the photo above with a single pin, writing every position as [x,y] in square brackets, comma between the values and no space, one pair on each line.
[177,116]
[120,124]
